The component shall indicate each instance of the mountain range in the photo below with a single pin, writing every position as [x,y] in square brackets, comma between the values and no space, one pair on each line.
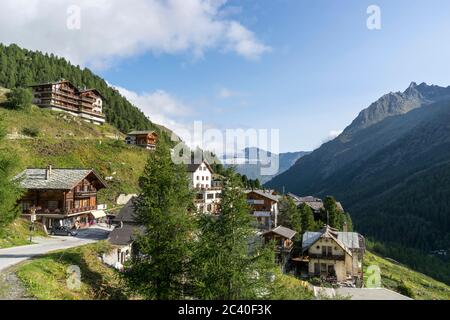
[250,163]
[390,168]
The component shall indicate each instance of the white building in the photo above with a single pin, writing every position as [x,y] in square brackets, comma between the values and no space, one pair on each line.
[208,197]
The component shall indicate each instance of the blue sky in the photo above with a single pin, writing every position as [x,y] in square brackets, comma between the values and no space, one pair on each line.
[323,66]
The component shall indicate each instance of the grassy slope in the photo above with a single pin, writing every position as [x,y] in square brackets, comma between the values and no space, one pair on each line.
[18,234]
[68,142]
[422,286]
[45,278]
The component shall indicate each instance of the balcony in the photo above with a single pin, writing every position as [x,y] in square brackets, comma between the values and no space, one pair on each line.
[326,256]
[85,194]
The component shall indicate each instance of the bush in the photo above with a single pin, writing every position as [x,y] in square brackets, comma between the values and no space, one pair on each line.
[19,98]
[405,290]
[31,132]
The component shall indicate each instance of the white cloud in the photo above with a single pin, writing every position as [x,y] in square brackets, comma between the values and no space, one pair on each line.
[161,107]
[333,134]
[225,93]
[114,29]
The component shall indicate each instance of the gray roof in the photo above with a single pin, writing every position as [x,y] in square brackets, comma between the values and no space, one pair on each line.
[351,240]
[192,167]
[141,132]
[126,214]
[265,194]
[283,231]
[125,235]
[59,179]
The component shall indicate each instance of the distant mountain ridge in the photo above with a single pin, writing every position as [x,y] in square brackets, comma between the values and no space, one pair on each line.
[253,163]
[390,168]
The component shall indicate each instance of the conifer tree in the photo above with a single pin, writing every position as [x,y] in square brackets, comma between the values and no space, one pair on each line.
[159,269]
[230,261]
[307,218]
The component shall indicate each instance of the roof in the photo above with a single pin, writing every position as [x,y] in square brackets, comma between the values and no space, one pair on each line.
[283,231]
[126,214]
[347,240]
[265,194]
[314,203]
[134,133]
[59,179]
[93,90]
[125,235]
[192,167]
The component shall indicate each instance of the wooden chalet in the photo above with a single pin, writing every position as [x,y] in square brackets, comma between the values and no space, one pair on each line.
[61,196]
[64,96]
[144,139]
[264,207]
[284,243]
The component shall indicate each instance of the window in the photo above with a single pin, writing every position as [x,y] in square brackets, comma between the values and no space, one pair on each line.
[25,206]
[52,205]
[210,196]
[198,177]
[207,178]
[203,178]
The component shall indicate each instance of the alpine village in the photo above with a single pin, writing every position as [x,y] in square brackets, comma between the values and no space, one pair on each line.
[79,162]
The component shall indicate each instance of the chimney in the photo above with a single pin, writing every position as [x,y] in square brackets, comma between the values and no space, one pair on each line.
[48,172]
[345,227]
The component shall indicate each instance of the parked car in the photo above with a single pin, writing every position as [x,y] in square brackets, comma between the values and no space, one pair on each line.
[63,231]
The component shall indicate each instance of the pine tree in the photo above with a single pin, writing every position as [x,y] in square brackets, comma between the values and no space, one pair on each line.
[9,190]
[334,215]
[307,218]
[230,263]
[19,98]
[289,216]
[160,269]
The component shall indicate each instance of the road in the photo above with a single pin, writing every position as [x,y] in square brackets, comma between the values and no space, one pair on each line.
[12,256]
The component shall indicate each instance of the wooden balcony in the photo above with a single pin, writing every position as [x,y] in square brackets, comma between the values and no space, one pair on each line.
[85,193]
[327,257]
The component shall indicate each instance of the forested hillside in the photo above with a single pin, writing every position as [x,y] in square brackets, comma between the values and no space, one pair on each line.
[391,170]
[21,68]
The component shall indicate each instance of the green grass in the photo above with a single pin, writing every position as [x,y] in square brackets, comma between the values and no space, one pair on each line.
[65,141]
[45,278]
[18,234]
[396,277]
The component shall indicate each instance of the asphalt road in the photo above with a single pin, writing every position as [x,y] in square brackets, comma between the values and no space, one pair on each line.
[12,256]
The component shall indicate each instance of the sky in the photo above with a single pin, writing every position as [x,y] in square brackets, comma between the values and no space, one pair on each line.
[306,68]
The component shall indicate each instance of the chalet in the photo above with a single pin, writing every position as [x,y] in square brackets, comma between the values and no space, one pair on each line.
[284,244]
[123,236]
[334,255]
[144,139]
[264,206]
[64,96]
[61,196]
[208,194]
[316,204]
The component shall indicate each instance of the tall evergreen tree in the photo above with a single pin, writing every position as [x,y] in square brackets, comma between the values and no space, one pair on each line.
[9,190]
[307,218]
[334,214]
[159,270]
[289,216]
[230,263]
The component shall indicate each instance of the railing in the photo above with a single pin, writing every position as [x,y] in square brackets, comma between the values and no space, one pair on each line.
[84,209]
[87,193]
[326,256]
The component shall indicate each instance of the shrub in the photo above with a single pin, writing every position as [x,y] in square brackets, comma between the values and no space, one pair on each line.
[31,132]
[19,98]
[405,290]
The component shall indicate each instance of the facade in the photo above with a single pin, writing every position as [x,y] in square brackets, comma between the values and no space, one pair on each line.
[61,196]
[265,209]
[284,244]
[143,139]
[208,193]
[122,237]
[334,255]
[64,96]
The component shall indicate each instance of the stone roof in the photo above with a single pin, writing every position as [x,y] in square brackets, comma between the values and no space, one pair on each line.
[283,231]
[126,214]
[265,194]
[125,235]
[133,133]
[59,179]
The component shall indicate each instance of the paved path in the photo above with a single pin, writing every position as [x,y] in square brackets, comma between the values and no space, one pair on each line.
[12,256]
